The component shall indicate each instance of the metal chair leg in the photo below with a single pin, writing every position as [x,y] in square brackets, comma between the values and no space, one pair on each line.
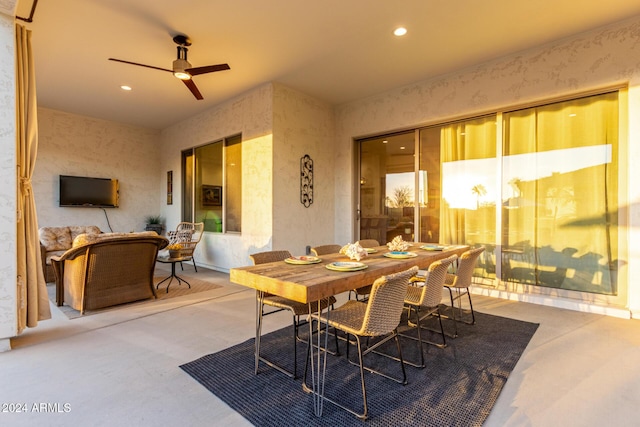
[362,367]
[258,358]
[453,307]
[419,326]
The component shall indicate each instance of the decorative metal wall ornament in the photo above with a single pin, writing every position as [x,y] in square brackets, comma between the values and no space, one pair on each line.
[306,180]
[169,187]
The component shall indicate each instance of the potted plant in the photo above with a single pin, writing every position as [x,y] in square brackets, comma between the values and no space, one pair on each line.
[155,223]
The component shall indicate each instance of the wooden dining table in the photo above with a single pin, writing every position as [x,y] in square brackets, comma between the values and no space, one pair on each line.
[309,283]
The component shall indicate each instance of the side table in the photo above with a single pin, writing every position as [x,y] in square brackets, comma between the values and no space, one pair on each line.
[173,261]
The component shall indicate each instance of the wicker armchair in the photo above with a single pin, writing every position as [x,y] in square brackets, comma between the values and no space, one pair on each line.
[188,234]
[280,303]
[461,281]
[107,272]
[378,317]
[425,300]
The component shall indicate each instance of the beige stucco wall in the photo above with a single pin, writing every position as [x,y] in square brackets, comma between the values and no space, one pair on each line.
[278,126]
[302,125]
[597,59]
[70,144]
[250,114]
[8,270]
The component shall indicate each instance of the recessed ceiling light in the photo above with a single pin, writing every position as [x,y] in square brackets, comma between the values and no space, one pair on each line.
[400,31]
[385,141]
[125,87]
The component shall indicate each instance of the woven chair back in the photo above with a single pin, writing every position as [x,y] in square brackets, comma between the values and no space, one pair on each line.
[369,243]
[326,249]
[386,302]
[432,289]
[269,256]
[196,229]
[466,265]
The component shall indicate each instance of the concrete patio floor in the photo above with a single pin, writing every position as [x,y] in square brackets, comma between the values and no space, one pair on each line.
[121,367]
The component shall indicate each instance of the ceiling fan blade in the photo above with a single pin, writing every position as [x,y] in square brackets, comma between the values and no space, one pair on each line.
[140,65]
[193,88]
[207,69]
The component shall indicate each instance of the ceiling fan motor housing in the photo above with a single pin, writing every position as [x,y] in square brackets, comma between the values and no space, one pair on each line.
[179,67]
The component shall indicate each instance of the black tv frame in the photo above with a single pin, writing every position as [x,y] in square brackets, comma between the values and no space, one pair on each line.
[88,192]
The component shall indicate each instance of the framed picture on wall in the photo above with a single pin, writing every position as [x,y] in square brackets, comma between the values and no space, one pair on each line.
[211,195]
[170,187]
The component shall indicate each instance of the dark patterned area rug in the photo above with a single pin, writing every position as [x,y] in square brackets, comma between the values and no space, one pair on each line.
[458,387]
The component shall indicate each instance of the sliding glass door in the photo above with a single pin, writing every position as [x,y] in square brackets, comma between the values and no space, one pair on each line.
[538,187]
[560,195]
[387,187]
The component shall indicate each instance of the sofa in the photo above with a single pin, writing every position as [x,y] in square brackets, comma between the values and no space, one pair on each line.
[102,270]
[54,241]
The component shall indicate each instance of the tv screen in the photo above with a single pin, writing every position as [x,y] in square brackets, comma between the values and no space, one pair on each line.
[88,192]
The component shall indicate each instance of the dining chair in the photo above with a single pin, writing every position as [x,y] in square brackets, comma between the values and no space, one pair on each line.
[378,317]
[460,283]
[325,249]
[279,303]
[369,243]
[424,300]
[364,290]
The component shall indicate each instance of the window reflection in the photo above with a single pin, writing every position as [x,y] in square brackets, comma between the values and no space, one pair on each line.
[556,186]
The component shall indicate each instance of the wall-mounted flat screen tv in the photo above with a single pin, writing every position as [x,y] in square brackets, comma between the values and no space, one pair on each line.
[83,191]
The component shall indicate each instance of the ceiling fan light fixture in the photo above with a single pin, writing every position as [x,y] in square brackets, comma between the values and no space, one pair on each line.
[179,67]
[182,75]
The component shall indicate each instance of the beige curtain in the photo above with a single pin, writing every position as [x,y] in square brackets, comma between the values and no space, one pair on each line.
[451,218]
[32,300]
[581,186]
[459,142]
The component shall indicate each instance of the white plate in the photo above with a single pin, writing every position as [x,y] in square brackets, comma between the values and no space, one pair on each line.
[303,260]
[346,266]
[433,247]
[370,250]
[400,254]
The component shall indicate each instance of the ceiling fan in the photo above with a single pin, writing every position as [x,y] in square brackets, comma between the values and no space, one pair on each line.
[181,67]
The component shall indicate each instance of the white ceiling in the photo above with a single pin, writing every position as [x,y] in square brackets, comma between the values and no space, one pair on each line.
[335,50]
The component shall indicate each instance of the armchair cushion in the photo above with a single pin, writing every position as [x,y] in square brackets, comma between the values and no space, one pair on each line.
[86,238]
[55,238]
[54,241]
[75,230]
[181,236]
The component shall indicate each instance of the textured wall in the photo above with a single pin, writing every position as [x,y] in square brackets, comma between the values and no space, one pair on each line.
[597,59]
[8,272]
[70,144]
[302,125]
[251,115]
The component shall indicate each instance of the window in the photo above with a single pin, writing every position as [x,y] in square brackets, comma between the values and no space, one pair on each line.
[538,187]
[387,187]
[560,191]
[461,161]
[212,185]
